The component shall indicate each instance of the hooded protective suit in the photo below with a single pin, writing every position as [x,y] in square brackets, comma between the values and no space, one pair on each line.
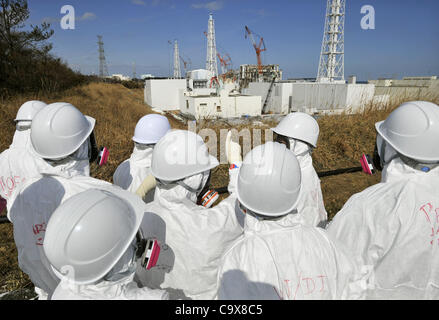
[130,174]
[310,205]
[392,231]
[35,202]
[117,285]
[285,259]
[193,241]
[17,164]
[124,289]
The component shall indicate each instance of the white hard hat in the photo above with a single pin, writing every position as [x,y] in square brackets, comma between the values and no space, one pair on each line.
[413,130]
[269,180]
[28,110]
[300,126]
[88,234]
[60,129]
[151,128]
[180,154]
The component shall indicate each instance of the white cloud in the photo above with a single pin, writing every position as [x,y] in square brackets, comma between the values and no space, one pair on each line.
[138,2]
[212,6]
[86,16]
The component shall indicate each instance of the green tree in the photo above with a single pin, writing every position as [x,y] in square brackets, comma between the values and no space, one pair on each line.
[25,62]
[13,14]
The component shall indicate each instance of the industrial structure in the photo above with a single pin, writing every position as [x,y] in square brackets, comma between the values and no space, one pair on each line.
[257,89]
[258,46]
[329,94]
[177,70]
[257,73]
[203,94]
[103,70]
[211,62]
[254,73]
[331,66]
[187,64]
[388,90]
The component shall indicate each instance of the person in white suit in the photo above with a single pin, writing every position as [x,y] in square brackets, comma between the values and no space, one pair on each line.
[391,228]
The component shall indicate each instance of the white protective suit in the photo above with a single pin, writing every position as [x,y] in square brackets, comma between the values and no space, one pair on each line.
[120,286]
[124,289]
[192,238]
[392,230]
[34,204]
[286,259]
[130,174]
[17,164]
[310,205]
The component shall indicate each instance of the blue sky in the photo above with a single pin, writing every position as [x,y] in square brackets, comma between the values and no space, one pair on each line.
[405,41]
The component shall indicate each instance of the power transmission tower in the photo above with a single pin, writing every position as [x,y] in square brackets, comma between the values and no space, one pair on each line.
[211,62]
[134,70]
[177,70]
[103,70]
[331,66]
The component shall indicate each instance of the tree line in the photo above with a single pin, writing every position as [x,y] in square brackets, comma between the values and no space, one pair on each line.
[26,64]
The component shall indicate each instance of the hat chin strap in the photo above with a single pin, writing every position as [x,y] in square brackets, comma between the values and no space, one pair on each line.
[424,167]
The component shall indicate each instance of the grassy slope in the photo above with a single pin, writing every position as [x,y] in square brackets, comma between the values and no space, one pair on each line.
[343,139]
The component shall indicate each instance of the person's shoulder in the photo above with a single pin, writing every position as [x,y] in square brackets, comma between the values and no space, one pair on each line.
[382,192]
[5,152]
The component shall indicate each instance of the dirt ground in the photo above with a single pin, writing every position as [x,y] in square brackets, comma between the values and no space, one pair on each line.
[343,139]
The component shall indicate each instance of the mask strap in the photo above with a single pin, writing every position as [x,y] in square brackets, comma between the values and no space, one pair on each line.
[141,146]
[196,191]
[282,140]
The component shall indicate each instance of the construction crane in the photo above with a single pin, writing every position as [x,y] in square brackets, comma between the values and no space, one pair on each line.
[259,47]
[187,64]
[226,63]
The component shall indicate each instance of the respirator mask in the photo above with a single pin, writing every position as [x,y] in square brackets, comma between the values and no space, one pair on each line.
[205,196]
[100,156]
[148,250]
[282,140]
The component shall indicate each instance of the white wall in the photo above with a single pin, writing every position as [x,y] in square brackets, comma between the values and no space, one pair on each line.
[331,98]
[359,96]
[278,102]
[164,94]
[223,106]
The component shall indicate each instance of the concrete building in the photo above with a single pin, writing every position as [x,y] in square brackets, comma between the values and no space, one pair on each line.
[313,97]
[223,105]
[250,73]
[407,88]
[163,94]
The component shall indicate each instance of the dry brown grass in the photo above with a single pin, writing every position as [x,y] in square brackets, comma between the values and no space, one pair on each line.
[343,139]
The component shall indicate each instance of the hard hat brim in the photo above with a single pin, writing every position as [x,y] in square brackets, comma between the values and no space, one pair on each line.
[144,141]
[378,127]
[280,132]
[213,163]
